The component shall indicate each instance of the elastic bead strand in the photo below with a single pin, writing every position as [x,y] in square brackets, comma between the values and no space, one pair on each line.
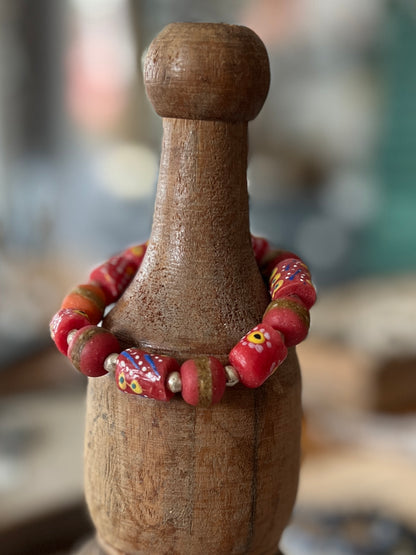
[201,381]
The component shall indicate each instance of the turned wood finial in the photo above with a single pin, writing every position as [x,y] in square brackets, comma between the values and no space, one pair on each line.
[207,71]
[164,478]
[199,290]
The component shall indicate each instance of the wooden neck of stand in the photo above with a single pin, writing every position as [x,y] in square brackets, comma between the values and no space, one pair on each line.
[168,477]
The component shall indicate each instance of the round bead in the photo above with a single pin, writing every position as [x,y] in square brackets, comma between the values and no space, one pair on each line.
[203,381]
[174,382]
[258,354]
[89,349]
[232,376]
[292,277]
[110,363]
[62,323]
[290,316]
[88,298]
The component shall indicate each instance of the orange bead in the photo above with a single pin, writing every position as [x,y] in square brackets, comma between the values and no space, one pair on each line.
[88,298]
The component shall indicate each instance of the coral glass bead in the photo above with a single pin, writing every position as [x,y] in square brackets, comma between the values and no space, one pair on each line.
[90,347]
[290,316]
[292,277]
[63,322]
[260,247]
[258,354]
[144,374]
[88,298]
[203,381]
[114,276]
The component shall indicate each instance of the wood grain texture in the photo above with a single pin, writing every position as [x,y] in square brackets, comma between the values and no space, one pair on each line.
[168,477]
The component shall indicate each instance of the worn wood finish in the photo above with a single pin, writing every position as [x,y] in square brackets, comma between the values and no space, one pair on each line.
[171,478]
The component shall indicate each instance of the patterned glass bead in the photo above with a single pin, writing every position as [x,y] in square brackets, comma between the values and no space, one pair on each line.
[145,374]
[291,277]
[114,276]
[258,354]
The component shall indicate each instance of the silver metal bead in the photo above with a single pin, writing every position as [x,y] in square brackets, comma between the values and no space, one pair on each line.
[110,363]
[174,382]
[232,376]
[70,336]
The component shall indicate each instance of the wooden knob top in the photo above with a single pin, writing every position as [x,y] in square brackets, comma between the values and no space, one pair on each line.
[207,71]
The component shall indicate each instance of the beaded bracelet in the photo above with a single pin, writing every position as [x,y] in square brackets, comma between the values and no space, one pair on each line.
[95,351]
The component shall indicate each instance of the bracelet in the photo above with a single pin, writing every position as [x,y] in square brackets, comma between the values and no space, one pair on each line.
[95,351]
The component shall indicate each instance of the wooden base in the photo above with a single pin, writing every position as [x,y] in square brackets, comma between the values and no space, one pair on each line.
[95,546]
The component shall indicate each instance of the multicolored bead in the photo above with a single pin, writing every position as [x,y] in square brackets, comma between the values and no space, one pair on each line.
[114,276]
[291,277]
[145,374]
[88,298]
[63,322]
[257,355]
[89,349]
[272,259]
[203,381]
[290,316]
[135,254]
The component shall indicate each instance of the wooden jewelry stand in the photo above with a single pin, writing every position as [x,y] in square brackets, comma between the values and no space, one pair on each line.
[169,478]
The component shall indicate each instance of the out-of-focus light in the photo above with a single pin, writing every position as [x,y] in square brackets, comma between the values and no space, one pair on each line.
[351,198]
[128,171]
[325,241]
[95,8]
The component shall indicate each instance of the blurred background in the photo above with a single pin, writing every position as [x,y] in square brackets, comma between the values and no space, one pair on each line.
[331,176]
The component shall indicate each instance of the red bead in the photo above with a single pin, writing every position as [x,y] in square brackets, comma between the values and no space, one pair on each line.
[135,254]
[63,322]
[88,298]
[203,381]
[292,277]
[114,276]
[260,247]
[258,354]
[273,258]
[145,374]
[90,347]
[290,316]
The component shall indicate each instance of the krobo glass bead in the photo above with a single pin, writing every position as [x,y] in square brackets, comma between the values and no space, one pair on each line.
[88,298]
[135,254]
[145,374]
[89,349]
[258,354]
[114,276]
[292,277]
[272,259]
[290,316]
[63,322]
[203,381]
[260,247]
